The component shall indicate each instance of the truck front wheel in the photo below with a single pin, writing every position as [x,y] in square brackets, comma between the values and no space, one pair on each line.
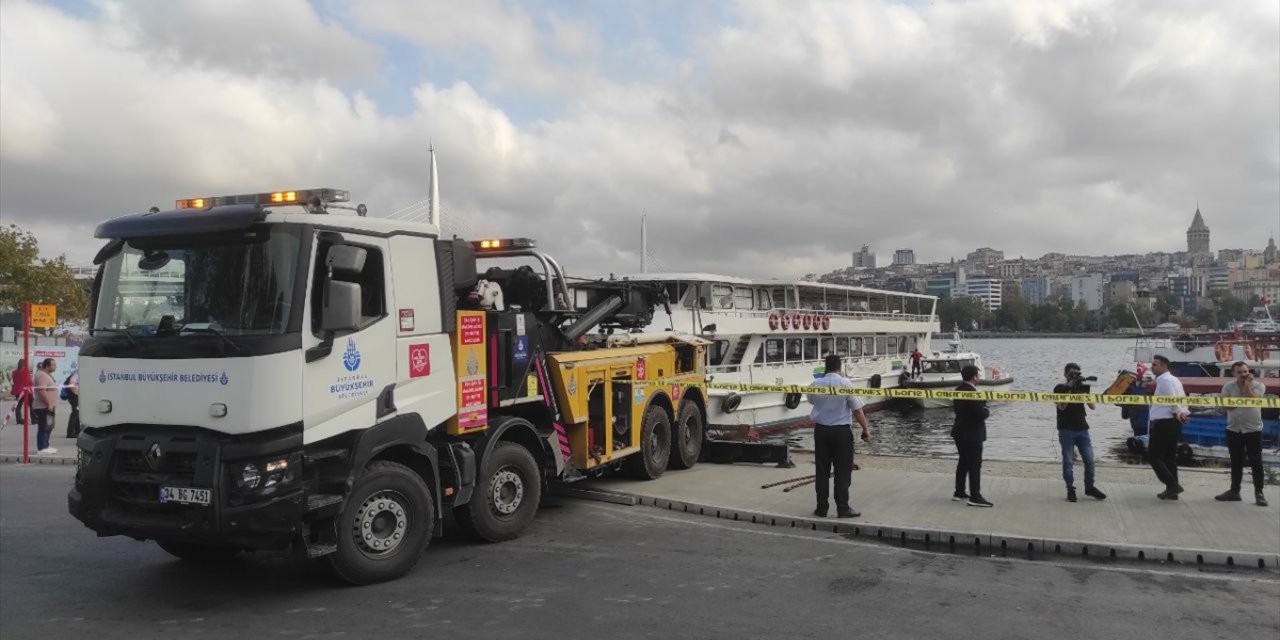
[385,525]
[507,495]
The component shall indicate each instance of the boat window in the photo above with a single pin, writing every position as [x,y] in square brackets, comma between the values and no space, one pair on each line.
[742,297]
[719,351]
[842,346]
[721,296]
[855,346]
[965,363]
[773,351]
[941,366]
[902,344]
[828,347]
[794,352]
[763,300]
[810,348]
[704,295]
[882,345]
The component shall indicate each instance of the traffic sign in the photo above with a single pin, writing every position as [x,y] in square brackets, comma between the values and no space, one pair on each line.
[44,316]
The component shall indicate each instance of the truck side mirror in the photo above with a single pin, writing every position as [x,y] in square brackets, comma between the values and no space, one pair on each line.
[341,310]
[346,260]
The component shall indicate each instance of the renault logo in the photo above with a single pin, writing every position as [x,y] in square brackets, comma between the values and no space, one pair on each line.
[153,456]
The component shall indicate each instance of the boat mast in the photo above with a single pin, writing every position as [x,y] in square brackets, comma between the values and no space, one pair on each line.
[434,209]
[644,246]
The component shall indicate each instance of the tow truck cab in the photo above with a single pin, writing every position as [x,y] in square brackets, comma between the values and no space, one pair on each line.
[259,377]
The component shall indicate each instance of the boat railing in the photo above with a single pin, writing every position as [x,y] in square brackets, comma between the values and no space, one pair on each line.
[765,367]
[852,315]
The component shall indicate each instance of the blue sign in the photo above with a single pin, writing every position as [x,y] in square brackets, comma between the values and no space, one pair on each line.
[351,359]
[522,349]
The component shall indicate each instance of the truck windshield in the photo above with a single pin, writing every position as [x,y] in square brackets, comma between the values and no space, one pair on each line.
[238,284]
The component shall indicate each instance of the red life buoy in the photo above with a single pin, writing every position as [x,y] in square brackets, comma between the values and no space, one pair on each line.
[826,322]
[786,322]
[808,321]
[773,322]
[796,321]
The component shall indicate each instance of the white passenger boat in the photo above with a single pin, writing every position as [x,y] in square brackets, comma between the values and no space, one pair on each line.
[941,370]
[778,332]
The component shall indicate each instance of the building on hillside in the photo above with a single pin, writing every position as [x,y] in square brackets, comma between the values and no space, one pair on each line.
[941,286]
[987,290]
[1011,269]
[1010,289]
[1268,288]
[1120,292]
[904,257]
[1035,290]
[985,256]
[1198,236]
[1088,289]
[864,259]
[1217,280]
[1230,255]
[1271,255]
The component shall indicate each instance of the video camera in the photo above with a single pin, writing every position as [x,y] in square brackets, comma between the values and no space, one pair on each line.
[1077,381]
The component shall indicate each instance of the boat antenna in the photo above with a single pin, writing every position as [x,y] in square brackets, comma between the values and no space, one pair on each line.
[1136,321]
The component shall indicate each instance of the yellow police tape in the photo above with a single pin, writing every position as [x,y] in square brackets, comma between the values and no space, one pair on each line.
[1269,402]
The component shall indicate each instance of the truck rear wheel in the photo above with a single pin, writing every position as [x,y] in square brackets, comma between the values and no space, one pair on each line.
[385,525]
[199,553]
[689,431]
[507,495]
[655,447]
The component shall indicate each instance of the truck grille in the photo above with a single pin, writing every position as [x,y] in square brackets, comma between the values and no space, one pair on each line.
[183,464]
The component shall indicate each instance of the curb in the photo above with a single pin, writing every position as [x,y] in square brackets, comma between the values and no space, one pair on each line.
[16,458]
[996,544]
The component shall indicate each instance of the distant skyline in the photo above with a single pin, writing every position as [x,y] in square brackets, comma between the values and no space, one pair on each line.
[765,139]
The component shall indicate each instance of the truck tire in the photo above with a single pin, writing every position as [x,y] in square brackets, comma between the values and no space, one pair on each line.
[507,495]
[198,553]
[655,447]
[690,428]
[385,526]
[791,400]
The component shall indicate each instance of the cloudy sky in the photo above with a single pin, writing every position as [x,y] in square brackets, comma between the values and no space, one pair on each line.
[761,138]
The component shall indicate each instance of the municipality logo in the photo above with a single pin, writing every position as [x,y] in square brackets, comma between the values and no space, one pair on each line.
[224,379]
[102,376]
[351,359]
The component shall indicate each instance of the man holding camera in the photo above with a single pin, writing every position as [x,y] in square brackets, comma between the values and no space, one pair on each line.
[1073,434]
[1244,433]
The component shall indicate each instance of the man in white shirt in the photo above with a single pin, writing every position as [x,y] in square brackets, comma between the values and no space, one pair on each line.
[1166,429]
[833,417]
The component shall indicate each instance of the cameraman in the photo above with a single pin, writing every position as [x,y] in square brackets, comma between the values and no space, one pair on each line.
[1073,433]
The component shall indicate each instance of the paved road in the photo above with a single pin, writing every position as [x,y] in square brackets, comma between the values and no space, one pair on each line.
[589,569]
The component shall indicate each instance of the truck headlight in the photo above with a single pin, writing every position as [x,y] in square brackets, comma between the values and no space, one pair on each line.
[256,479]
[248,478]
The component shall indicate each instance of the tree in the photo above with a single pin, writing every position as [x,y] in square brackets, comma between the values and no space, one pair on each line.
[26,277]
[1014,315]
[962,312]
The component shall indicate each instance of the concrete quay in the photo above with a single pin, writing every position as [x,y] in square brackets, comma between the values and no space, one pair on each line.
[908,501]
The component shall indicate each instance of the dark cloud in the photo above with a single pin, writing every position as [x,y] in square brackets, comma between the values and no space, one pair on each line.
[784,141]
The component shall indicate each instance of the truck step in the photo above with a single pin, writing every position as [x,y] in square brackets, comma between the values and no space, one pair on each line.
[315,502]
[319,550]
[326,454]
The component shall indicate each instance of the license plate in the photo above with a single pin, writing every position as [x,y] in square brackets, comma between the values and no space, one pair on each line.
[185,495]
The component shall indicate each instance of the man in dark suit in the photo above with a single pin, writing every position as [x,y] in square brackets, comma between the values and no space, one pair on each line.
[969,432]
